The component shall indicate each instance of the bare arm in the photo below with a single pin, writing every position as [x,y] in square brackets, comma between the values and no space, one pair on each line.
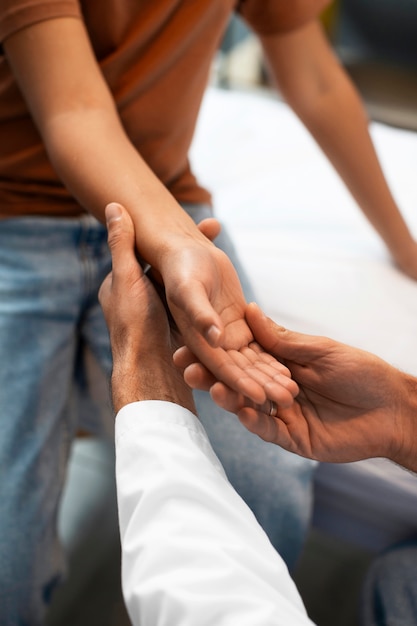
[76,116]
[319,91]
[139,330]
[75,113]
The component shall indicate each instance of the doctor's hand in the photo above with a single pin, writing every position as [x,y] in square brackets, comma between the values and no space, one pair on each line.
[352,405]
[142,341]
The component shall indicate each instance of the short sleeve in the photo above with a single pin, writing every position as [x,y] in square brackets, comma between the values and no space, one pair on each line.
[267,17]
[18,14]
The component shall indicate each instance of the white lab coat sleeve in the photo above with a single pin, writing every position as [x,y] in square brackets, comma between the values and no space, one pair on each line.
[193,553]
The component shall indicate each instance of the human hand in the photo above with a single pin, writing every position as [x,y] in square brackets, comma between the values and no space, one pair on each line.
[141,340]
[206,300]
[351,404]
[406,258]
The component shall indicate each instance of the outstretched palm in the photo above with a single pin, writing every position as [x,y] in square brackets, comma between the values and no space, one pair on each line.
[198,279]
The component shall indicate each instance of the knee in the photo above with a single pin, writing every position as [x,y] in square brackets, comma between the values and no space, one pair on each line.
[390,589]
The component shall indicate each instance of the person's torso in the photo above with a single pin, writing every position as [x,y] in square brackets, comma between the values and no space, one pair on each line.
[156,57]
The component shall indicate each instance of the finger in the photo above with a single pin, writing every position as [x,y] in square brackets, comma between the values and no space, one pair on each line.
[273,376]
[121,240]
[199,377]
[270,429]
[210,228]
[227,398]
[202,316]
[276,382]
[240,380]
[196,375]
[280,384]
[254,417]
[183,357]
[235,402]
[267,332]
[279,341]
[263,360]
[104,291]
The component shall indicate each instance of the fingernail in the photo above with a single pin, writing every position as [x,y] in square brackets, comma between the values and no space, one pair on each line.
[113,212]
[213,335]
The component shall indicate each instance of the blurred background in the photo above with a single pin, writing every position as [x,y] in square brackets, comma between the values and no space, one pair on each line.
[376,41]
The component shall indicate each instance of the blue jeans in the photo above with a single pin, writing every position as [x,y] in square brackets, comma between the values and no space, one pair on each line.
[389,595]
[49,273]
[50,319]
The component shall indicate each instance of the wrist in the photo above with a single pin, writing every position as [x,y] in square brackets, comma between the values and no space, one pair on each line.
[177,244]
[149,381]
[159,234]
[404,451]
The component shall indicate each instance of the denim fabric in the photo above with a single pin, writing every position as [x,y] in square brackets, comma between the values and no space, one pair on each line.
[389,595]
[50,271]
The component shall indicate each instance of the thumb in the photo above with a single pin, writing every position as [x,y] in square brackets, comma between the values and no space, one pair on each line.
[194,307]
[210,228]
[277,340]
[121,240]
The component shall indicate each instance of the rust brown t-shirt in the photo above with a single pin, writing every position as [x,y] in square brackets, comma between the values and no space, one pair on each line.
[156,57]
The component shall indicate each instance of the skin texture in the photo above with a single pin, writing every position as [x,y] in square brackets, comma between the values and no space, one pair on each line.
[317,88]
[138,327]
[140,332]
[351,405]
[87,145]
[89,149]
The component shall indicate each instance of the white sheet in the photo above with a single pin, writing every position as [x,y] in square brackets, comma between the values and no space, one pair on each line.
[318,267]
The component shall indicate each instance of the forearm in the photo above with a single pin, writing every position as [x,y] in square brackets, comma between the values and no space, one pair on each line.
[98,164]
[319,91]
[337,121]
[76,115]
